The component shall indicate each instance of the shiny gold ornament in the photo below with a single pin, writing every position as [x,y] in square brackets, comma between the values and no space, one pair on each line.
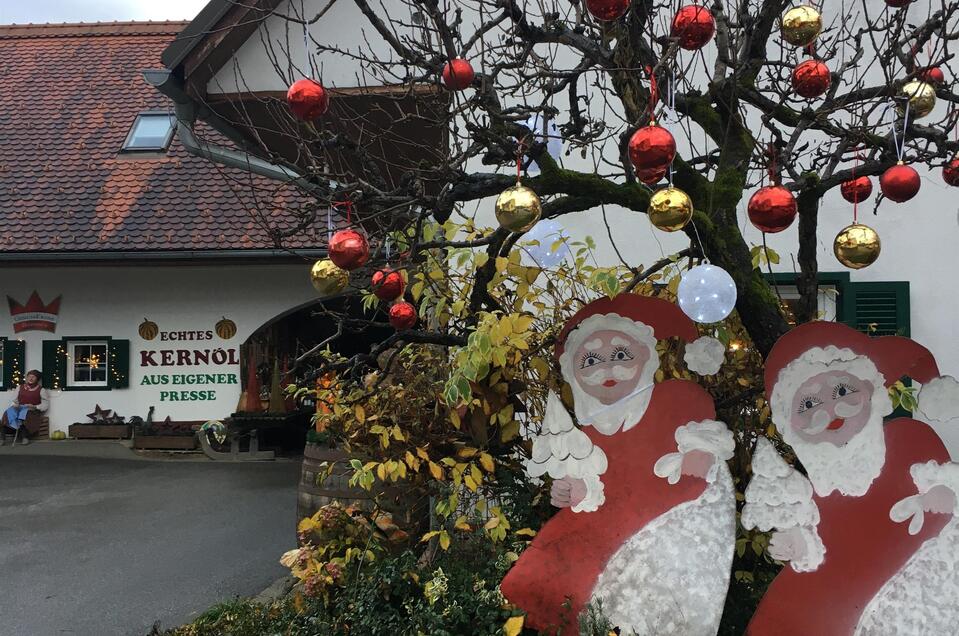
[518,208]
[801,25]
[857,246]
[327,278]
[670,209]
[922,98]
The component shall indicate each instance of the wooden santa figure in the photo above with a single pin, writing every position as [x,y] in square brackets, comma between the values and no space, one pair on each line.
[870,538]
[647,526]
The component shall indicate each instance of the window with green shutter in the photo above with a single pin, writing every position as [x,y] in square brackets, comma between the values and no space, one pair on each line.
[12,360]
[86,363]
[876,308]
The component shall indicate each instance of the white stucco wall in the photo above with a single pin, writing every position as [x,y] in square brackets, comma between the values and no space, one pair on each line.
[918,237]
[113,301]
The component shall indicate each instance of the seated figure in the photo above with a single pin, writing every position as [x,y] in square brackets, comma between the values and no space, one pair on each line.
[25,413]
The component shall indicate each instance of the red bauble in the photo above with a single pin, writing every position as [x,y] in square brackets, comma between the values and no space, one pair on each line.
[897,4]
[458,74]
[651,177]
[607,9]
[811,79]
[933,75]
[348,249]
[388,284]
[772,209]
[402,316]
[950,172]
[693,27]
[900,183]
[307,99]
[856,190]
[652,148]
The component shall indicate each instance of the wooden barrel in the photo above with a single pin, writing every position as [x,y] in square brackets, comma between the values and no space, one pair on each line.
[325,478]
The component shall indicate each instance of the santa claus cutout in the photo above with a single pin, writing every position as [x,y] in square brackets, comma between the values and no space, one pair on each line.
[647,525]
[870,538]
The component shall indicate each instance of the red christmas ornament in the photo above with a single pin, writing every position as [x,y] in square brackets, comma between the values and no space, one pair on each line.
[388,284]
[348,249]
[607,10]
[307,99]
[900,183]
[950,172]
[856,190]
[402,316]
[693,26]
[933,75]
[652,148]
[652,176]
[811,79]
[772,209]
[897,4]
[458,74]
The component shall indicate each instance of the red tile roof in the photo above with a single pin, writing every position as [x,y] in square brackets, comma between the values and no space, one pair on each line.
[68,96]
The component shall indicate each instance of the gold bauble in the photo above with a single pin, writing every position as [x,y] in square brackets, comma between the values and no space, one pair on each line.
[801,25]
[518,208]
[327,278]
[857,246]
[670,209]
[922,98]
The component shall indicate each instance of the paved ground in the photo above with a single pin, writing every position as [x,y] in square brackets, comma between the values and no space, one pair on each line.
[94,546]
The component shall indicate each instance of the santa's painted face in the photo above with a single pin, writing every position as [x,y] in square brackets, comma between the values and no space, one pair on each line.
[609,365]
[831,407]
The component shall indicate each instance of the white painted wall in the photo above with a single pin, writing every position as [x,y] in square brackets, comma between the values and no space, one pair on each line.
[113,301]
[918,237]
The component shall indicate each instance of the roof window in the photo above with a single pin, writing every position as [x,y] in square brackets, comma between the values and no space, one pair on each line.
[151,131]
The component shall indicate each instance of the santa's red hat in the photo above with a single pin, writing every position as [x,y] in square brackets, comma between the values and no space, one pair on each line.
[893,356]
[666,319]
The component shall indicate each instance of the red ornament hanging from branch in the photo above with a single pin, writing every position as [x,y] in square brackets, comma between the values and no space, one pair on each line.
[652,148]
[933,75]
[773,208]
[811,79]
[388,284]
[693,27]
[950,172]
[402,316]
[856,190]
[307,99]
[900,183]
[349,249]
[458,74]
[607,10]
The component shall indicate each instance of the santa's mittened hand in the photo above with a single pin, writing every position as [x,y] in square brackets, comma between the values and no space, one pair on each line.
[909,508]
[567,492]
[697,463]
[939,499]
[787,545]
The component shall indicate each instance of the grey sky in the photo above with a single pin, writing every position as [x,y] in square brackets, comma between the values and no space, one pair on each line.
[22,11]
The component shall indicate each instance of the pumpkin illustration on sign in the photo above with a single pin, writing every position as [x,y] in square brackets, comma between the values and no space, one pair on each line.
[148,329]
[225,328]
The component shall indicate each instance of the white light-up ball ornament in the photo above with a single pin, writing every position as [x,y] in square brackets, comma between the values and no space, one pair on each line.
[707,293]
[547,233]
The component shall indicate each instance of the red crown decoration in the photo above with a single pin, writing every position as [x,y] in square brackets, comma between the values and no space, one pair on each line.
[34,316]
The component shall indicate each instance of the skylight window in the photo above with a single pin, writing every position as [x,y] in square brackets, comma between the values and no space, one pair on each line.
[151,131]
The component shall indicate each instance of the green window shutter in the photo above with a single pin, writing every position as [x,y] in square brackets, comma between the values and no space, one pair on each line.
[877,308]
[54,367]
[119,375]
[13,361]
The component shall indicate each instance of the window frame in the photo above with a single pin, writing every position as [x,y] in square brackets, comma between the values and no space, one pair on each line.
[127,148]
[72,368]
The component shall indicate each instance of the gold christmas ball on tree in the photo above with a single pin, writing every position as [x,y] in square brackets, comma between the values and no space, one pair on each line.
[801,25]
[518,208]
[921,96]
[327,278]
[857,246]
[670,209]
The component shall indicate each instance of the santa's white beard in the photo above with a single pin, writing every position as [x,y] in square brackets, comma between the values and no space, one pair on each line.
[850,468]
[608,418]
